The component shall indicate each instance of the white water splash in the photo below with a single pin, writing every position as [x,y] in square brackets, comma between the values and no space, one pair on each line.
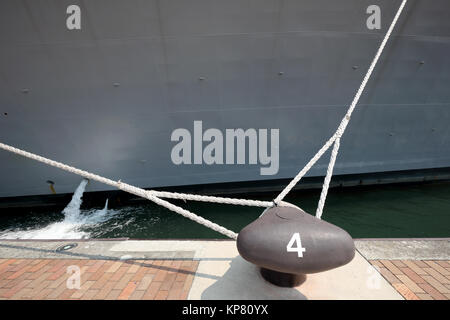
[70,227]
[72,210]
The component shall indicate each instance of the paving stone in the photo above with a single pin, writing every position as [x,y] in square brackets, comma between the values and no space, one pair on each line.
[416,279]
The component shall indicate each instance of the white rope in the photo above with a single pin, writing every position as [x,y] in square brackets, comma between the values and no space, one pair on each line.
[342,126]
[326,183]
[176,195]
[156,195]
[124,187]
[304,170]
[224,200]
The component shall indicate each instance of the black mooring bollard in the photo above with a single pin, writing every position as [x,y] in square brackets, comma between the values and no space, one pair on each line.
[288,243]
[282,279]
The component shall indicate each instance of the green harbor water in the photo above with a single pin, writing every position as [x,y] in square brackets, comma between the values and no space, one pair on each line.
[384,211]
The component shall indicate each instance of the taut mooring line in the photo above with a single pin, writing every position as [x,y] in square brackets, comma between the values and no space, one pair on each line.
[335,138]
[155,195]
[124,187]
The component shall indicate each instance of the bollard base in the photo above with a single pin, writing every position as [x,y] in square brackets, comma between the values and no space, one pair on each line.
[282,279]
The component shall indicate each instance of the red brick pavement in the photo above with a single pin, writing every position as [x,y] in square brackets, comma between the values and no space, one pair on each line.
[172,279]
[99,279]
[417,279]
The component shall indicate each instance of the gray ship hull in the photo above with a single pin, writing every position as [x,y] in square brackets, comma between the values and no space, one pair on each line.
[107,98]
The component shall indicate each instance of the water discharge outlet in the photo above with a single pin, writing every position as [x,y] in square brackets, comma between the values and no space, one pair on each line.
[74,224]
[66,247]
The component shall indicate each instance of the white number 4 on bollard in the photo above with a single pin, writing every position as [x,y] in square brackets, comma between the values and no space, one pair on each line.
[296,239]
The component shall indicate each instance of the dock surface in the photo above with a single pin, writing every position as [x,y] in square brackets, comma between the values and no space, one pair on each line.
[192,269]
[419,269]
